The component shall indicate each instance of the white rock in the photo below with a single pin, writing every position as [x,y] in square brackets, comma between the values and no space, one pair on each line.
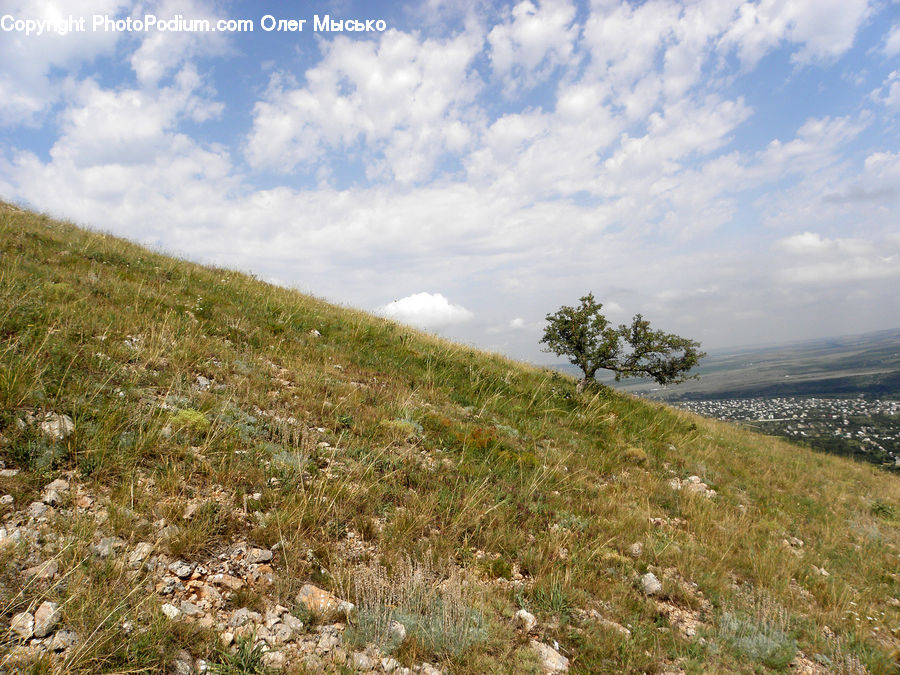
[171,611]
[37,509]
[60,485]
[181,569]
[22,624]
[397,631]
[51,498]
[243,615]
[45,619]
[362,662]
[551,660]
[63,639]
[259,555]
[57,426]
[323,604]
[525,620]
[6,499]
[276,660]
[650,584]
[140,553]
[295,624]
[636,550]
[45,570]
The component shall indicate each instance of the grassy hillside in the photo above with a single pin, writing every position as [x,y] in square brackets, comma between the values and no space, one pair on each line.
[232,442]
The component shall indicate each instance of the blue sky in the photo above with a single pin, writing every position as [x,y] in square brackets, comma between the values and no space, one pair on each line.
[728,168]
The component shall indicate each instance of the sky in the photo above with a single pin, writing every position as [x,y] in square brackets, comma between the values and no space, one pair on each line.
[728,168]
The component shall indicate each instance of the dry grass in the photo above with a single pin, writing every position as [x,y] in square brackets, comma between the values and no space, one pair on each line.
[433,453]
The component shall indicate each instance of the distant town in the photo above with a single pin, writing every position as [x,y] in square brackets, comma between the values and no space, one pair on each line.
[866,428]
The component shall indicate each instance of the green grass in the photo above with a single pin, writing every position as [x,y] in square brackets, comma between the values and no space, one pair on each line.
[478,466]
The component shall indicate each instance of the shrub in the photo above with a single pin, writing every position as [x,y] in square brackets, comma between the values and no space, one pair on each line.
[760,634]
[438,615]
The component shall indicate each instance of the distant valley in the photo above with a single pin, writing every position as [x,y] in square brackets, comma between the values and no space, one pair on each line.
[839,395]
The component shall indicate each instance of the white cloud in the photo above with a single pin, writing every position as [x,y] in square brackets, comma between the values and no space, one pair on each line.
[889,92]
[36,66]
[162,52]
[517,324]
[532,42]
[831,261]
[398,103]
[426,310]
[823,29]
[892,41]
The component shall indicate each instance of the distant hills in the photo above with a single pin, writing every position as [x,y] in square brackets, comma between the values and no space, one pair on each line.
[867,364]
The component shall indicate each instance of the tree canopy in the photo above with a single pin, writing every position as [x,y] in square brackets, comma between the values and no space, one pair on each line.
[590,342]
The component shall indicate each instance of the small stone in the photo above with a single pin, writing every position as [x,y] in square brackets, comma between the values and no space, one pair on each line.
[51,498]
[171,611]
[203,383]
[226,580]
[37,509]
[181,569]
[9,473]
[389,665]
[551,660]
[140,553]
[322,603]
[276,660]
[327,642]
[295,624]
[183,664]
[636,550]
[107,546]
[60,485]
[190,609]
[397,631]
[83,501]
[259,555]
[6,499]
[46,570]
[57,426]
[282,633]
[45,619]
[650,584]
[362,662]
[22,624]
[525,620]
[191,509]
[226,638]
[243,615]
[63,640]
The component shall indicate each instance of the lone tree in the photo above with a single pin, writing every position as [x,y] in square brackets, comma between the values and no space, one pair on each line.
[586,337]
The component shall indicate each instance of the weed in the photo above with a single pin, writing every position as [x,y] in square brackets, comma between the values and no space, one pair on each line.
[436,613]
[760,633]
[246,659]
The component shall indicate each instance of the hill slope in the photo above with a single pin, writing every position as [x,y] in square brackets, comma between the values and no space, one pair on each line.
[231,442]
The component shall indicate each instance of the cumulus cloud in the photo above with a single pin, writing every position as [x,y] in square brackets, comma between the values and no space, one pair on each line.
[426,310]
[398,103]
[162,52]
[535,39]
[35,66]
